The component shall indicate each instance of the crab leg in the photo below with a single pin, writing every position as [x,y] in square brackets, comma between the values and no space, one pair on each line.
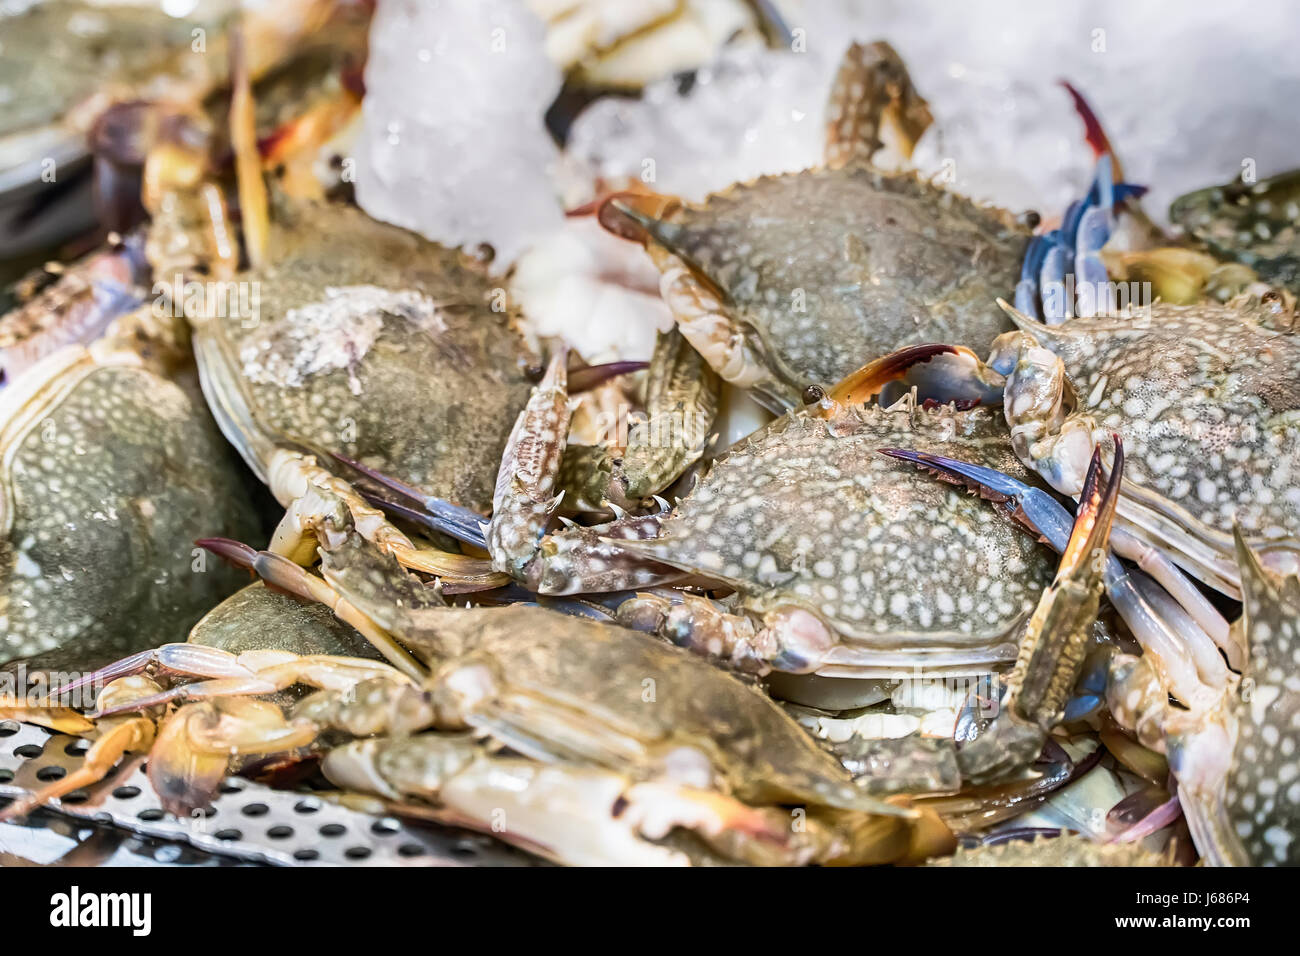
[257,672]
[872,88]
[1055,645]
[681,402]
[253,200]
[1188,596]
[64,720]
[312,588]
[569,560]
[401,499]
[114,738]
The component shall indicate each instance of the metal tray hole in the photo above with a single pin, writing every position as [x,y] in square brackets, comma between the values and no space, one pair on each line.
[465,850]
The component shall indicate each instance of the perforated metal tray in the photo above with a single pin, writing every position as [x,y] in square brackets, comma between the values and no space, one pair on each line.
[247,821]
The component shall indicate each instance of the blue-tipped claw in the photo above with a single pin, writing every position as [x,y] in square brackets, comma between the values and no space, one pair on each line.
[1033,507]
[411,504]
[1074,248]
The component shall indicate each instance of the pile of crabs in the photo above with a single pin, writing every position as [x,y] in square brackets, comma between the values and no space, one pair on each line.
[934,591]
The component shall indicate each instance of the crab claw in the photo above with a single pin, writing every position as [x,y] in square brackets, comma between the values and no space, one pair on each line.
[194,746]
[1087,545]
[1093,131]
[584,379]
[526,488]
[635,214]
[939,373]
[1055,644]
[463,524]
[1053,652]
[170,659]
[1032,507]
[1063,275]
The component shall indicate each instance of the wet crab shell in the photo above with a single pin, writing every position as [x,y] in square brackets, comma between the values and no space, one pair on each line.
[827,267]
[1207,400]
[1238,763]
[110,471]
[1256,224]
[371,342]
[1262,795]
[906,570]
[1068,849]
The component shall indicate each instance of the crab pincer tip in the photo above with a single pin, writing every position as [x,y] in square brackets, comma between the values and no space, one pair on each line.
[379,478]
[902,453]
[236,552]
[582,379]
[1093,131]
[988,481]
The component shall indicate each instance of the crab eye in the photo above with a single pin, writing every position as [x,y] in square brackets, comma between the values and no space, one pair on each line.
[813,394]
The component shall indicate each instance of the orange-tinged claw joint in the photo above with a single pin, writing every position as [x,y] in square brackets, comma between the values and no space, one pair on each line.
[1096,511]
[866,383]
[628,214]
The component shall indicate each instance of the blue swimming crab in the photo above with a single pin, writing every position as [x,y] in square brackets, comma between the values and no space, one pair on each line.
[616,745]
[1233,749]
[842,562]
[1205,397]
[1256,224]
[110,465]
[372,350]
[794,279]
[1231,736]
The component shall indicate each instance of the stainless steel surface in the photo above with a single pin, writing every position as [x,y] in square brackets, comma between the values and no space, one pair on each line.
[247,821]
